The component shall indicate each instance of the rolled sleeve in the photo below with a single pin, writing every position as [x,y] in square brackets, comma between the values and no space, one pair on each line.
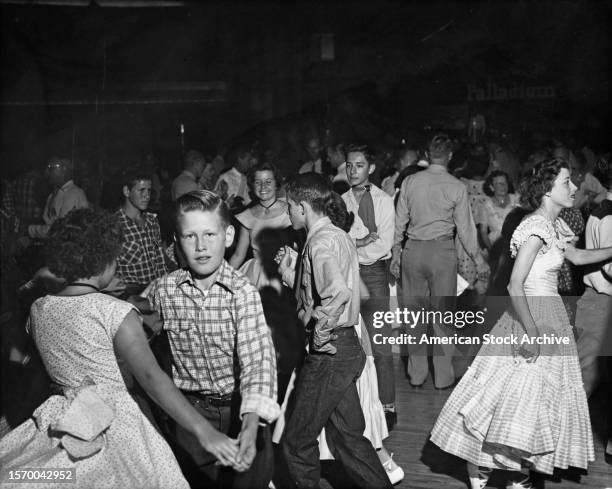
[256,356]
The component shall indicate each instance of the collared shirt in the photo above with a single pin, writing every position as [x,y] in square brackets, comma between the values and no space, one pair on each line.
[186,182]
[598,234]
[384,215]
[236,185]
[433,203]
[59,203]
[212,335]
[312,166]
[328,288]
[141,260]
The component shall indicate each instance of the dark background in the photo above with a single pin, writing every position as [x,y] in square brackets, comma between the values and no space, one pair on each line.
[105,84]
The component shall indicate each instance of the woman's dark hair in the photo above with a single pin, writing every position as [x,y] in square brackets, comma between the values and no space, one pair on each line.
[338,212]
[487,186]
[265,166]
[83,243]
[540,181]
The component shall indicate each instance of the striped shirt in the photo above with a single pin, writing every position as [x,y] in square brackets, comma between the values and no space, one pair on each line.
[219,339]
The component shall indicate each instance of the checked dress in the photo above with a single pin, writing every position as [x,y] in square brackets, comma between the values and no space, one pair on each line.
[506,412]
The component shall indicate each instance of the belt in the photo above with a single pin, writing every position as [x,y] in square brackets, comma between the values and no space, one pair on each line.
[215,401]
[441,238]
[346,331]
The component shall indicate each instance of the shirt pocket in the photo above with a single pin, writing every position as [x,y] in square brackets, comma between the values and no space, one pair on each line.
[133,253]
[181,334]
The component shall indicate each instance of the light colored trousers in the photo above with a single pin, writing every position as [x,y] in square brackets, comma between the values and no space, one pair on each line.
[429,281]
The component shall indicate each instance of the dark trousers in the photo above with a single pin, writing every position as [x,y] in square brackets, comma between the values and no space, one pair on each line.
[429,282]
[376,279]
[326,397]
[199,466]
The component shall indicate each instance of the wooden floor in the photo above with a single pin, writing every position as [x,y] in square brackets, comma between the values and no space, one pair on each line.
[426,466]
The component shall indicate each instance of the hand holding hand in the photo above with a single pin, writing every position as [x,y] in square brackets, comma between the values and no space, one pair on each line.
[224,448]
[246,442]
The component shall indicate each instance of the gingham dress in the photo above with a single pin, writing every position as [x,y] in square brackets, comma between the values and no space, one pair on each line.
[505,412]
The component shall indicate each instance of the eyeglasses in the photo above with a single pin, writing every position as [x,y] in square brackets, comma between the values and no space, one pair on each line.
[55,166]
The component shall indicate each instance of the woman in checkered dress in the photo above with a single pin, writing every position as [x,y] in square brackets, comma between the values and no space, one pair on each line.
[523,405]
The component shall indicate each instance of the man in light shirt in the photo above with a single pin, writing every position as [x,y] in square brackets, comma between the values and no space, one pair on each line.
[232,185]
[193,166]
[65,197]
[313,148]
[373,234]
[432,206]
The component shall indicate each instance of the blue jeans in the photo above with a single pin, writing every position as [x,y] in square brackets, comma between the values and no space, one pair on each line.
[326,397]
[376,279]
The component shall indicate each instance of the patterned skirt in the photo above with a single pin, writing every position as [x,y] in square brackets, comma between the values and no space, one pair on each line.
[507,413]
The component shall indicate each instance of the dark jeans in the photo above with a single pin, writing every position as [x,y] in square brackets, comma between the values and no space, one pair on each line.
[198,465]
[326,397]
[376,279]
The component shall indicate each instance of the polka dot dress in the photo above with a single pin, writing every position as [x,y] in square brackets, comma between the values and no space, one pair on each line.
[75,338]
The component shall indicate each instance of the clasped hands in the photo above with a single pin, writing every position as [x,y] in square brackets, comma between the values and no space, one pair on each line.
[237,453]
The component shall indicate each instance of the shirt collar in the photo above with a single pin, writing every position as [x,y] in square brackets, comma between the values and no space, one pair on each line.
[324,221]
[224,278]
[69,183]
[122,214]
[437,169]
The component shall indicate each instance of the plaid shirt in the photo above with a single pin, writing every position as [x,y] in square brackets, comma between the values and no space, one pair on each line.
[217,335]
[141,260]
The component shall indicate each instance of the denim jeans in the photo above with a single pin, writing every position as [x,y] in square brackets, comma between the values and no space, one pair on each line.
[376,279]
[326,397]
[199,466]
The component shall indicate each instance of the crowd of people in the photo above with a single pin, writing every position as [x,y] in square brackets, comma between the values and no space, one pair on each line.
[209,329]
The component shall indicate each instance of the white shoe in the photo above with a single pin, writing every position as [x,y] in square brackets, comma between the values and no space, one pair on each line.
[524,484]
[394,471]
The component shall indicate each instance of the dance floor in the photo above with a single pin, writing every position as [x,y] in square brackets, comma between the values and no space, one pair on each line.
[428,467]
[425,465]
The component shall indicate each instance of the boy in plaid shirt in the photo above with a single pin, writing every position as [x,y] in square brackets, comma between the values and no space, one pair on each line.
[142,258]
[223,358]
